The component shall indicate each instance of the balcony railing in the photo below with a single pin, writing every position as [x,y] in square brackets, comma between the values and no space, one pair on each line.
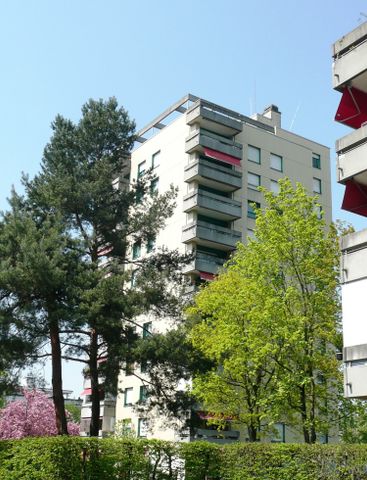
[210,204]
[199,139]
[218,119]
[204,262]
[213,175]
[211,235]
[352,156]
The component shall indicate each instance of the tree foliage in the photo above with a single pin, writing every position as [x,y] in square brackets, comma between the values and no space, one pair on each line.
[32,416]
[270,322]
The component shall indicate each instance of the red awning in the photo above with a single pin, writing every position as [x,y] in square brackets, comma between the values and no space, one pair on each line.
[206,276]
[86,391]
[352,110]
[223,157]
[355,198]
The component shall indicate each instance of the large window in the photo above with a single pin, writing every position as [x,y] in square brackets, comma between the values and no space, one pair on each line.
[276,162]
[250,208]
[274,186]
[253,180]
[155,159]
[316,185]
[142,427]
[128,397]
[150,244]
[136,250]
[147,329]
[143,394]
[253,154]
[316,160]
[154,185]
[141,169]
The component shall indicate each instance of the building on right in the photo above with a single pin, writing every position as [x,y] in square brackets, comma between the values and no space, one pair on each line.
[350,79]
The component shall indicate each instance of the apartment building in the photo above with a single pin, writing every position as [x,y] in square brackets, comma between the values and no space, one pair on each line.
[350,79]
[217,158]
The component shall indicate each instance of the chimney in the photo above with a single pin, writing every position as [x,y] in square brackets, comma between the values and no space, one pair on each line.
[272,112]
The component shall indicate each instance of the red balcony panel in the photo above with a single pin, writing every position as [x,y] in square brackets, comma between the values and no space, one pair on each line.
[355,198]
[206,276]
[352,110]
[223,157]
[86,391]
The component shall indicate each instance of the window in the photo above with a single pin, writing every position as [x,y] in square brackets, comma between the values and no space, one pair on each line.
[133,278]
[250,208]
[147,329]
[150,244]
[276,162]
[274,186]
[253,154]
[155,159]
[141,169]
[154,185]
[142,427]
[316,160]
[316,185]
[128,397]
[318,211]
[250,233]
[143,394]
[127,425]
[253,180]
[143,366]
[136,250]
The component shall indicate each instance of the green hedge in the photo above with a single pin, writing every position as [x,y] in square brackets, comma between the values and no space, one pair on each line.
[71,458]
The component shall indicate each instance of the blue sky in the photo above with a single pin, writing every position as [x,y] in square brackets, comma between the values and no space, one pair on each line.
[243,54]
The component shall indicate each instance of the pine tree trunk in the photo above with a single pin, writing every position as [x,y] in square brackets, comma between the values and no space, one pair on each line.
[57,394]
[93,370]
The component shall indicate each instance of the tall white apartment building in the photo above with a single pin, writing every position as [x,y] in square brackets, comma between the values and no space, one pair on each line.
[350,78]
[217,158]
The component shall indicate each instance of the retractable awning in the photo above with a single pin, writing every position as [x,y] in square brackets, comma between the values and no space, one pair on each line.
[222,157]
[352,110]
[86,391]
[206,276]
[355,198]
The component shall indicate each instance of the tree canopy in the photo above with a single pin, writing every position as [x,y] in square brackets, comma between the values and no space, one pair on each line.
[270,322]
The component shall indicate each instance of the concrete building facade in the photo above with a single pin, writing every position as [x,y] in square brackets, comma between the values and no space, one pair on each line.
[350,78]
[217,158]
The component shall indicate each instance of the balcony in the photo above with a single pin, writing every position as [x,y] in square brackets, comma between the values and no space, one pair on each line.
[210,235]
[213,175]
[204,262]
[213,118]
[215,436]
[352,156]
[350,65]
[206,142]
[210,204]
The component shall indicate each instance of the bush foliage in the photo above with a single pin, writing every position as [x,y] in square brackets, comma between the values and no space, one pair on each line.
[75,458]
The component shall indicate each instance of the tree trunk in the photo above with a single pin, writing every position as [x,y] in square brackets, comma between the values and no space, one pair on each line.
[57,394]
[306,433]
[252,433]
[93,370]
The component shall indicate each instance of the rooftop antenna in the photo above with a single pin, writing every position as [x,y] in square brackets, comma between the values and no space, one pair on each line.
[294,116]
[364,15]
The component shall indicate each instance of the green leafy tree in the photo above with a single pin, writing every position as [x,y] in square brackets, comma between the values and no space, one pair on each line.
[270,322]
[84,169]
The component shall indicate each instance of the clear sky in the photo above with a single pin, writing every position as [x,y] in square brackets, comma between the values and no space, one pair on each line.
[242,54]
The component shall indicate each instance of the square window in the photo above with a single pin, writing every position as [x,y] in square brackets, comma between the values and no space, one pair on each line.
[253,180]
[128,397]
[316,160]
[276,162]
[154,185]
[253,154]
[147,329]
[141,169]
[150,244]
[142,428]
[136,250]
[316,185]
[143,394]
[155,159]
[250,208]
[274,187]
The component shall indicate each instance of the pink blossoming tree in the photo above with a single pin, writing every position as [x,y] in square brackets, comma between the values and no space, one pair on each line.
[33,416]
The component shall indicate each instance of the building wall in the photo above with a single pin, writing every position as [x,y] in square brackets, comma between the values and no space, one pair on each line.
[263,132]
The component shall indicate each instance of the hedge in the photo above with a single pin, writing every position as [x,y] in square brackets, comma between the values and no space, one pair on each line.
[73,458]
